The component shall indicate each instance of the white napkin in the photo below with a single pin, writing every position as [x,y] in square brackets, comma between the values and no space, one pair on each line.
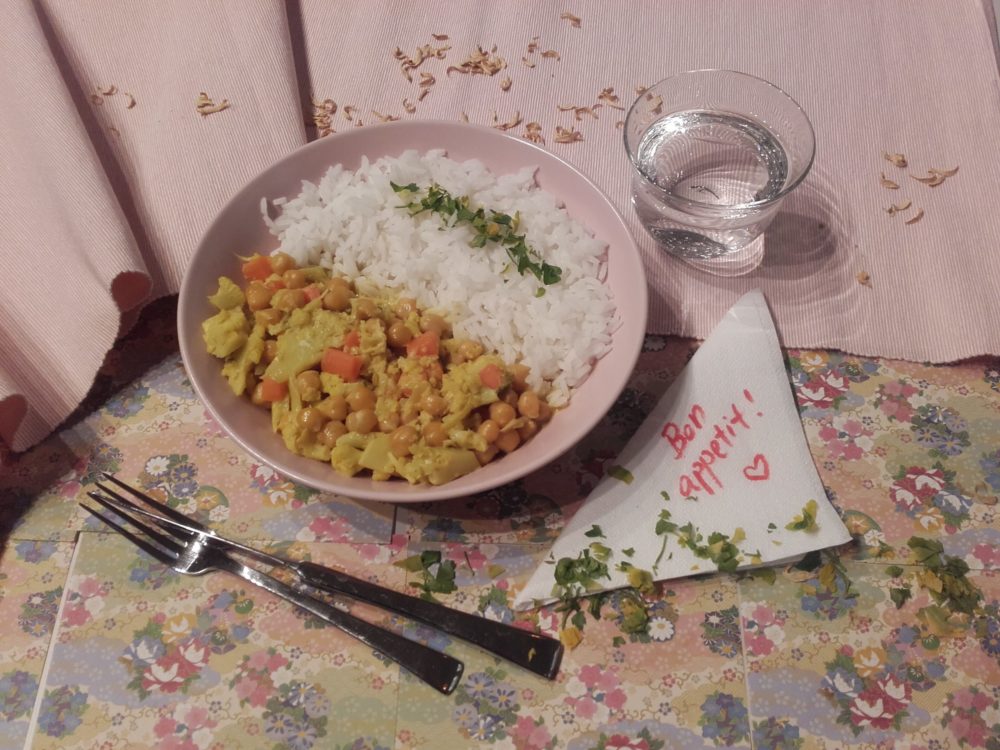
[726,446]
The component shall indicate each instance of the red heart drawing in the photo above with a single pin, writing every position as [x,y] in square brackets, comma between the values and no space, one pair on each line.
[758,470]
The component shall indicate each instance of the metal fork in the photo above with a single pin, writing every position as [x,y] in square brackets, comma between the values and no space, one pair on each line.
[197,555]
[533,651]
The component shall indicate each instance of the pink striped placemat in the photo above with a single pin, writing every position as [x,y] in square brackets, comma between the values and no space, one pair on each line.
[111,173]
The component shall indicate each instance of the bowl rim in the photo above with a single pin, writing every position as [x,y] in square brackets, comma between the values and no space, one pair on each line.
[627,354]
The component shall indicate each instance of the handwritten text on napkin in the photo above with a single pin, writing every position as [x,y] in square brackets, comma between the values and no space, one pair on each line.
[718,476]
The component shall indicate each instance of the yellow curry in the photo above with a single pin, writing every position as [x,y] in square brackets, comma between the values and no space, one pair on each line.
[366,382]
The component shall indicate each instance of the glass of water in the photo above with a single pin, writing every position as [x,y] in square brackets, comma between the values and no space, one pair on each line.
[715,152]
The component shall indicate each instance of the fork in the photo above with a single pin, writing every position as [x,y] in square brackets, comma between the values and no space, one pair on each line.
[532,651]
[198,555]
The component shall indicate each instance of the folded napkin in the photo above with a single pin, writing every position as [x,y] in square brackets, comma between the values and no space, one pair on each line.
[719,476]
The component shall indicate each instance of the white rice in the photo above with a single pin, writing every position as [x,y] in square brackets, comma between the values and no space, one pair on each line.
[351,223]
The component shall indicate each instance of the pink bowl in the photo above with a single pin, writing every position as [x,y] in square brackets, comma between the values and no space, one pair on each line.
[238,229]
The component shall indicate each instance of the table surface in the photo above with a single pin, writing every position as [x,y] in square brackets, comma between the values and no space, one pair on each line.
[103,648]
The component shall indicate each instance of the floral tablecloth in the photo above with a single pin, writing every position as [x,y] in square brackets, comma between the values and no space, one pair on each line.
[885,643]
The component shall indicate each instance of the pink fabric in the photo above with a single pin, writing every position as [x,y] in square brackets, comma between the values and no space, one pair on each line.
[104,204]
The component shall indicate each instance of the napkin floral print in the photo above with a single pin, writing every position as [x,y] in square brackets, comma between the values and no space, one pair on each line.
[104,648]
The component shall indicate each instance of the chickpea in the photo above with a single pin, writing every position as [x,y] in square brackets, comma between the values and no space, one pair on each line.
[363,421]
[268,316]
[432,322]
[295,278]
[258,295]
[528,430]
[501,412]
[402,439]
[331,433]
[508,441]
[257,396]
[544,411]
[398,334]
[435,434]
[287,300]
[389,422]
[484,457]
[469,350]
[310,419]
[434,404]
[405,306]
[360,397]
[281,262]
[309,385]
[519,377]
[333,407]
[509,397]
[365,308]
[337,298]
[528,405]
[341,282]
[270,350]
[490,430]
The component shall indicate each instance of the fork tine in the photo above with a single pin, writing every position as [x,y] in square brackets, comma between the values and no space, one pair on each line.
[122,503]
[162,507]
[153,551]
[172,545]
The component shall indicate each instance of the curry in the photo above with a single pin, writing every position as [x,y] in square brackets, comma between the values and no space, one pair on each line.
[368,382]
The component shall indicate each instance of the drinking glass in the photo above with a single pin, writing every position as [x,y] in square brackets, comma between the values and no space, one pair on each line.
[714,154]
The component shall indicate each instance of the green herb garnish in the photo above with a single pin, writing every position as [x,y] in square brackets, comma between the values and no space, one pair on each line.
[437,575]
[621,474]
[594,531]
[806,520]
[489,226]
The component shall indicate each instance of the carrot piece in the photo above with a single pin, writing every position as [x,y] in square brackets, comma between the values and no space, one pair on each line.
[257,268]
[424,345]
[272,390]
[352,339]
[339,362]
[313,292]
[490,376]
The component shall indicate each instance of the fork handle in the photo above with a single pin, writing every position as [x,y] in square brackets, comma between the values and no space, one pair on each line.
[537,653]
[437,669]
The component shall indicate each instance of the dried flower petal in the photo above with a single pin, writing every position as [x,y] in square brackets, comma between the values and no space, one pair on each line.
[932,180]
[129,101]
[205,106]
[620,124]
[349,111]
[887,183]
[640,90]
[550,53]
[513,122]
[527,62]
[426,79]
[944,172]
[574,21]
[533,132]
[440,37]
[656,103]
[864,278]
[609,97]
[533,45]
[480,62]
[897,207]
[464,117]
[505,84]
[108,91]
[384,118]
[916,217]
[96,99]
[567,135]
[423,94]
[409,106]
[114,131]
[898,159]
